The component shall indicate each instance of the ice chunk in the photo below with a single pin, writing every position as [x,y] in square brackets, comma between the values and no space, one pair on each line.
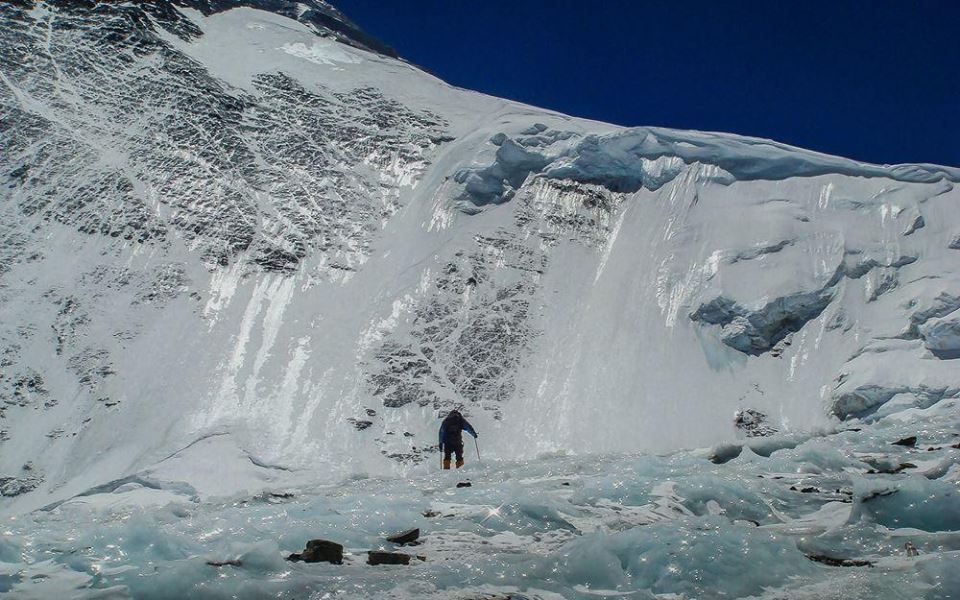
[942,335]
[816,456]
[755,331]
[692,556]
[733,499]
[9,549]
[913,502]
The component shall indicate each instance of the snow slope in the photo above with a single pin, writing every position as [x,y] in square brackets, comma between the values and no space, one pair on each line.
[242,246]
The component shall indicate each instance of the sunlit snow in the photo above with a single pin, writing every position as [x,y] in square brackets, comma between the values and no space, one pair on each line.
[247,263]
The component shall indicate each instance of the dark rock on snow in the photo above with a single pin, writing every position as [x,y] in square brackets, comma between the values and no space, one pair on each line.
[320,551]
[378,557]
[753,423]
[405,537]
[839,562]
[225,563]
[907,441]
[14,486]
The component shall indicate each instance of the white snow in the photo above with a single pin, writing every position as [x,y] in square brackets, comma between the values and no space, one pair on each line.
[597,298]
[324,52]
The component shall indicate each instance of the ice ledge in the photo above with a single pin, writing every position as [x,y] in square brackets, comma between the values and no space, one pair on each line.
[649,157]
[748,158]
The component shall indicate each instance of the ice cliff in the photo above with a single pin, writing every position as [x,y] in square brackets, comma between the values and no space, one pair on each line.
[242,238]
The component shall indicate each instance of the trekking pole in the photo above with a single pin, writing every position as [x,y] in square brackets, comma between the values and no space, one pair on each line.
[478,449]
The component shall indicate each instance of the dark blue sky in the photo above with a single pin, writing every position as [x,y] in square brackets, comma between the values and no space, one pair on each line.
[873,80]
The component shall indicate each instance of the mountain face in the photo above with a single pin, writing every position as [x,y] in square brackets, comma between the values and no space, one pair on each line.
[241,239]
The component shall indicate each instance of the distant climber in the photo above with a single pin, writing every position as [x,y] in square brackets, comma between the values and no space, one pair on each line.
[451,437]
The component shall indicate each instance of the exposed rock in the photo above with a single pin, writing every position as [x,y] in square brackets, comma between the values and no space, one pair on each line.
[15,486]
[758,251]
[25,389]
[753,423]
[917,223]
[464,484]
[226,563]
[404,537]
[360,425]
[274,497]
[856,266]
[907,441]
[839,562]
[887,279]
[379,557]
[467,351]
[320,551]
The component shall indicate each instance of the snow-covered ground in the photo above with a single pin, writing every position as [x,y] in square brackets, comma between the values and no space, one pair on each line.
[241,252]
[818,517]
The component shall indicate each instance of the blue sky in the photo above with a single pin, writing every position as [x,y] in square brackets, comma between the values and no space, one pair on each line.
[873,80]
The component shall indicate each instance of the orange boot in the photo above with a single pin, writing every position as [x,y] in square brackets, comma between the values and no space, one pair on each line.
[459,462]
[446,464]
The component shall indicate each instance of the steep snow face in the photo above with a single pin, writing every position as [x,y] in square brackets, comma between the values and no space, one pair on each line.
[229,234]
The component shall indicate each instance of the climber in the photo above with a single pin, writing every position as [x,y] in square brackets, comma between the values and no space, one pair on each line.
[451,438]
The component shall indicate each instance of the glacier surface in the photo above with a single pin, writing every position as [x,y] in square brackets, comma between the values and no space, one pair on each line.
[845,514]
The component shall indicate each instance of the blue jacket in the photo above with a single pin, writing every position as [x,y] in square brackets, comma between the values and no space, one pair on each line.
[452,428]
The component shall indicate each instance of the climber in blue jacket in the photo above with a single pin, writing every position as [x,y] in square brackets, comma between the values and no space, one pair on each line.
[451,437]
